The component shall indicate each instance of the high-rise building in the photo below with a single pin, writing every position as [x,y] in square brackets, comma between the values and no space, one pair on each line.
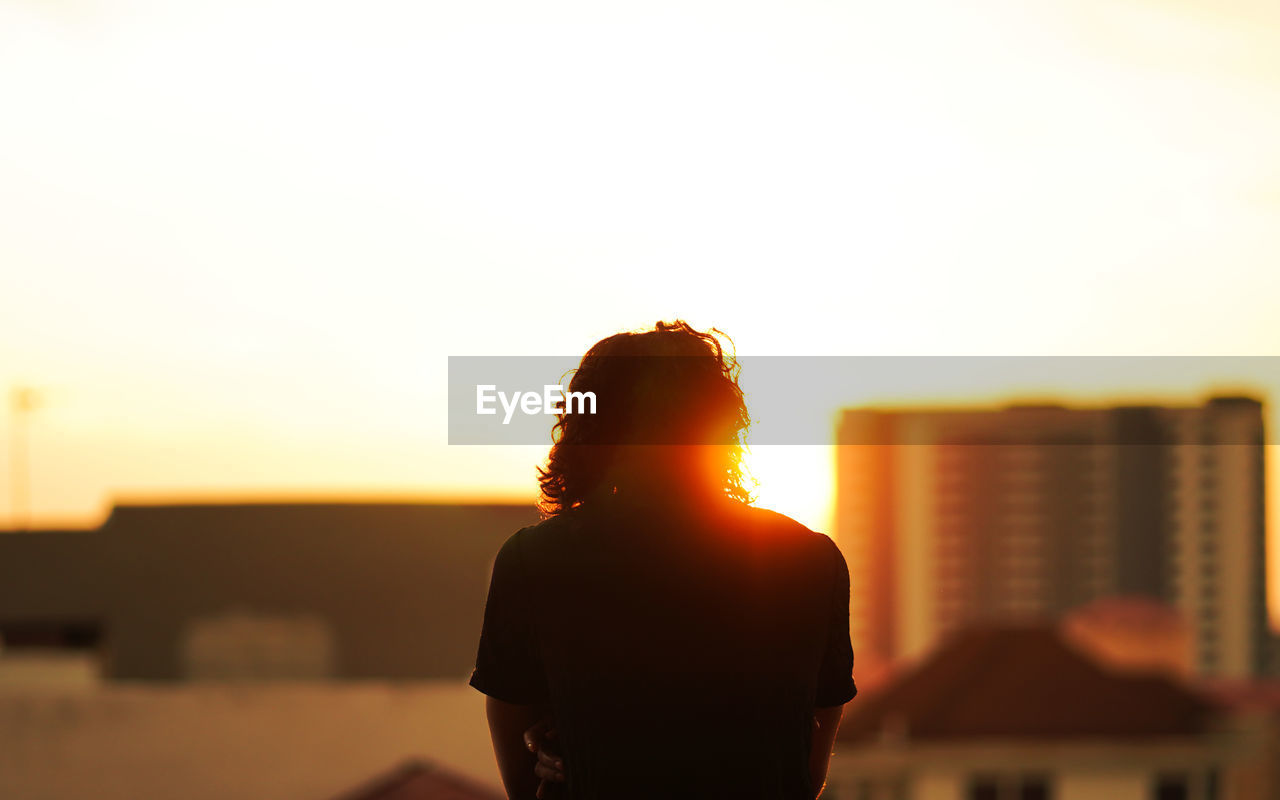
[955,517]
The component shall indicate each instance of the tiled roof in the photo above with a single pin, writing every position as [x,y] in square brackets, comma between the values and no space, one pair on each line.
[1022,682]
[421,780]
[1260,694]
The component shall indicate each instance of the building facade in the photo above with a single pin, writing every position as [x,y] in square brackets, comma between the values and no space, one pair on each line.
[956,517]
[1020,714]
[309,591]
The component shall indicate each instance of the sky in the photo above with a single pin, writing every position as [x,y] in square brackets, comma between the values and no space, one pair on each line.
[239,240]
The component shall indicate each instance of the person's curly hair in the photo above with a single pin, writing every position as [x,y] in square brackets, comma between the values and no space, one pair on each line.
[669,385]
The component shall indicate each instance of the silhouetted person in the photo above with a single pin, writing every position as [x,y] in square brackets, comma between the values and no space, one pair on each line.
[684,643]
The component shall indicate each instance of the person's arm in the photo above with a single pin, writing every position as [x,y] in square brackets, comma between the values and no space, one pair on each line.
[550,766]
[826,723]
[507,725]
[835,675]
[509,671]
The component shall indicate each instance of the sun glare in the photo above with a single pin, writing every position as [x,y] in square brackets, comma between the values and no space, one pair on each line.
[795,480]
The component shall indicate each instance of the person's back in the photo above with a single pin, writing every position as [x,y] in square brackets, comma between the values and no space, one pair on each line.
[687,644]
[683,651]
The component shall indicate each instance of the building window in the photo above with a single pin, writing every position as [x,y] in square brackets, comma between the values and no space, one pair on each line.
[1034,789]
[1010,787]
[1173,787]
[247,645]
[52,652]
[984,789]
[1186,785]
[874,789]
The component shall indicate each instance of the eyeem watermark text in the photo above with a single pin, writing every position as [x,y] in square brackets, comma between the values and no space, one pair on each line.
[553,400]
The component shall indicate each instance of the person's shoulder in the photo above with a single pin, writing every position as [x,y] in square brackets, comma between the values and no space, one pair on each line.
[778,524]
[776,520]
[548,529]
[773,526]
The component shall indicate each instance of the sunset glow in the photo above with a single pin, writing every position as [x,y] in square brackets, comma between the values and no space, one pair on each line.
[240,240]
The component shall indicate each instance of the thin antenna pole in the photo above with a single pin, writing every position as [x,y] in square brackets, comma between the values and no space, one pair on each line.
[22,403]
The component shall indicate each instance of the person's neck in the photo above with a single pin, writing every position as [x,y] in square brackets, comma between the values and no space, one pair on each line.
[674,494]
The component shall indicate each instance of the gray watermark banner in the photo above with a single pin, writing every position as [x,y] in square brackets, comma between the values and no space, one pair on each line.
[887,400]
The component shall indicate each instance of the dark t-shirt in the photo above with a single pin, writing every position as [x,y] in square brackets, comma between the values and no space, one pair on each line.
[682,654]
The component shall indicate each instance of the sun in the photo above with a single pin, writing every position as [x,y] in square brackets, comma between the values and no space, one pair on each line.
[796,480]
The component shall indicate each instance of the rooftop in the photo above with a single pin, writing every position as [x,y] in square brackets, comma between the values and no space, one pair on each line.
[420,780]
[1026,683]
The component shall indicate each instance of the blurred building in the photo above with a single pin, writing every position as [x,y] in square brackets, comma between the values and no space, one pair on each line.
[1132,633]
[1016,712]
[955,517]
[1254,706]
[302,591]
[421,780]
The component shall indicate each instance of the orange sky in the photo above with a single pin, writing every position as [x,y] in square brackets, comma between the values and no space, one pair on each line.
[239,240]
